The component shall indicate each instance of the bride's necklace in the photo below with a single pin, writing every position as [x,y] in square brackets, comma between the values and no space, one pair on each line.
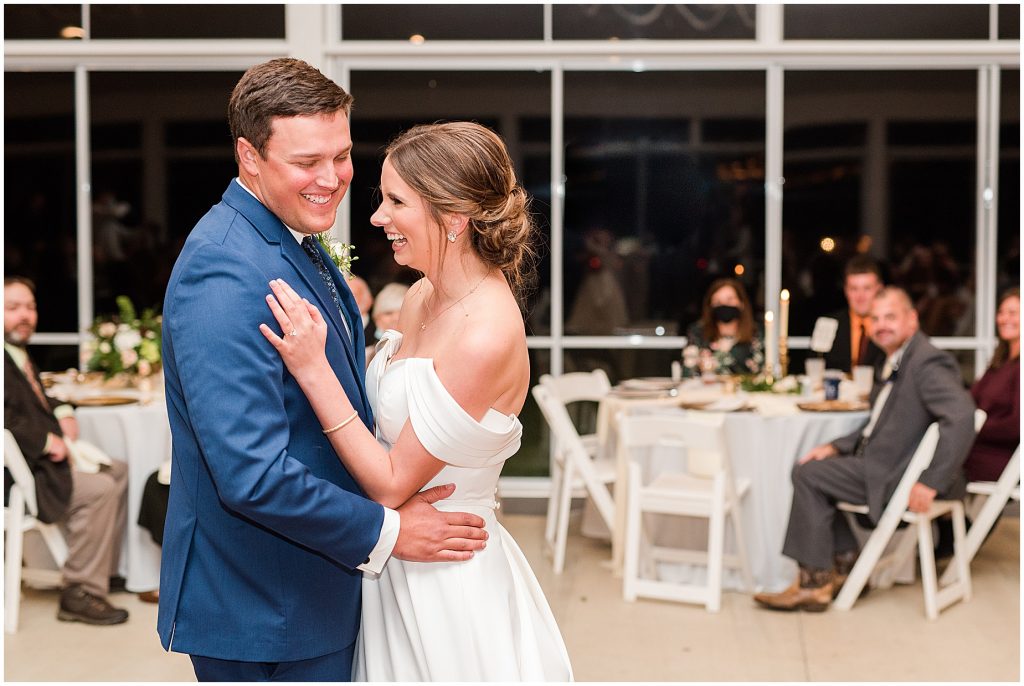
[423,324]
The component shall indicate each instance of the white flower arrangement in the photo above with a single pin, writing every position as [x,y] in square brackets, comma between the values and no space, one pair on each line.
[125,343]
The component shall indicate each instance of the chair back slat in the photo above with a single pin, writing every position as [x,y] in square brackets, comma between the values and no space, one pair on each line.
[703,441]
[577,386]
[14,460]
[568,441]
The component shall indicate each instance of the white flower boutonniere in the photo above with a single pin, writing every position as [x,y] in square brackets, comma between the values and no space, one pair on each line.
[340,253]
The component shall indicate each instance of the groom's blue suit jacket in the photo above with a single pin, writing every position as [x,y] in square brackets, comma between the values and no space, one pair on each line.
[264,526]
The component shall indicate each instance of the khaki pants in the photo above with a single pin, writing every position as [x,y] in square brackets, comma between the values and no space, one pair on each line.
[95,526]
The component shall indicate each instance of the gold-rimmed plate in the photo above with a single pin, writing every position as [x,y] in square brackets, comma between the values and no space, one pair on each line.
[620,392]
[834,406]
[649,383]
[104,401]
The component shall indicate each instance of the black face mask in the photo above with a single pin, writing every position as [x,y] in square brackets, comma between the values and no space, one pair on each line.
[725,313]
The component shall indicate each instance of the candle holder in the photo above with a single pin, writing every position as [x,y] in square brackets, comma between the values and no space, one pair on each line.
[783,358]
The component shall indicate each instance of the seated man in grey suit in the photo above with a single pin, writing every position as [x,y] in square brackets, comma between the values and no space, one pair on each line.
[918,385]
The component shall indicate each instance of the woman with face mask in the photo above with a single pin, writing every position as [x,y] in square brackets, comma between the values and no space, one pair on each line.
[725,339]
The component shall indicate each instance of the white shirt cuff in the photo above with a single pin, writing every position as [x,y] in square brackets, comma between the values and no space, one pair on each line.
[385,544]
[62,411]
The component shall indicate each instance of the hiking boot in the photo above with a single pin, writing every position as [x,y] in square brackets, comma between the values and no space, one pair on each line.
[78,605]
[844,563]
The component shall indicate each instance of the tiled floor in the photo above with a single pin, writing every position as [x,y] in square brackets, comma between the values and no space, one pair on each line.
[884,638]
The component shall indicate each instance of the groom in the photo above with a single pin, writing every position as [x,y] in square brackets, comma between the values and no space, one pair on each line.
[266,533]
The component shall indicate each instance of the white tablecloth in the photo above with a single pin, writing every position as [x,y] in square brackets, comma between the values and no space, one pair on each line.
[140,436]
[763,449]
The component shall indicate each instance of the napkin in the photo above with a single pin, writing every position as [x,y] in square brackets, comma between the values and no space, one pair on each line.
[727,404]
[85,457]
[163,475]
[769,405]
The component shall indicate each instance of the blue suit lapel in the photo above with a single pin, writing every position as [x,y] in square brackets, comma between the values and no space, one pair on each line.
[273,230]
[293,253]
[351,309]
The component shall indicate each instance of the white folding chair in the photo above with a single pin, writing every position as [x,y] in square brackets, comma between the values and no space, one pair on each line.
[574,471]
[571,389]
[705,488]
[20,516]
[988,498]
[872,558]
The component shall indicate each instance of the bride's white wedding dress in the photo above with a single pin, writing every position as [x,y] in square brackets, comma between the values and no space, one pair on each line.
[481,620]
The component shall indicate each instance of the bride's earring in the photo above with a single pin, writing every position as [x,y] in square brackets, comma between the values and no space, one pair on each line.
[452,236]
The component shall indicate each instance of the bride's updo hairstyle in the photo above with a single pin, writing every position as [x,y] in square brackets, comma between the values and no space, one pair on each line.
[464,168]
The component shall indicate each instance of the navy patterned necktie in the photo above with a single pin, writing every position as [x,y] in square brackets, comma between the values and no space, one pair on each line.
[309,245]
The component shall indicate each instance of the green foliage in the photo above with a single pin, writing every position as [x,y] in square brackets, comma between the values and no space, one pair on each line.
[126,342]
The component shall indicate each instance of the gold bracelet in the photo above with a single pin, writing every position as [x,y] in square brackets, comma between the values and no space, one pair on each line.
[342,425]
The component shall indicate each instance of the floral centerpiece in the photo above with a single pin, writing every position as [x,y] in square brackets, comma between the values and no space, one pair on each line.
[126,343]
[340,253]
[759,383]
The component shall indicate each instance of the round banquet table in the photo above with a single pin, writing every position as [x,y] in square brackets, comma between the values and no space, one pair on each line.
[763,445]
[140,436]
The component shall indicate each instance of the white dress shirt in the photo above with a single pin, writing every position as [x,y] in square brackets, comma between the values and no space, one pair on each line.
[892,363]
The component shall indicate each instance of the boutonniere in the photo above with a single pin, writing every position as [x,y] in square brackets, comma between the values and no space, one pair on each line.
[340,253]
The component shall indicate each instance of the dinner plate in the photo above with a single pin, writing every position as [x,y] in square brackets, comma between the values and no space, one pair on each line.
[620,392]
[650,383]
[834,406]
[104,400]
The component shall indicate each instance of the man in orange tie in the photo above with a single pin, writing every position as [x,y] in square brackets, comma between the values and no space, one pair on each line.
[91,508]
[853,345]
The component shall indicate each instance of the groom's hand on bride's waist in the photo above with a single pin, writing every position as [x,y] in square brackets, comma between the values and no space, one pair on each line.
[429,535]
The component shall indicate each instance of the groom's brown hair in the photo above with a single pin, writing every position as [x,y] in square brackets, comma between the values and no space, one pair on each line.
[282,87]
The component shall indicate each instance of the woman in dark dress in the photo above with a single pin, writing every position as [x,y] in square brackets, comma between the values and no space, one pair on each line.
[998,393]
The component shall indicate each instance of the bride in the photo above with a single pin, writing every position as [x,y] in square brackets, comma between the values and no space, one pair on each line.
[445,390]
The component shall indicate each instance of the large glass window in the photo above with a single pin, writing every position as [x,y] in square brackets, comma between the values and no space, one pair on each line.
[1008,243]
[161,157]
[42,21]
[532,458]
[664,193]
[1009,21]
[442,22]
[881,163]
[186,21]
[663,22]
[40,240]
[885,22]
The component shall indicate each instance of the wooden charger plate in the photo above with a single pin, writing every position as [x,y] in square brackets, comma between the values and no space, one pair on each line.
[649,383]
[104,401]
[834,406]
[620,392]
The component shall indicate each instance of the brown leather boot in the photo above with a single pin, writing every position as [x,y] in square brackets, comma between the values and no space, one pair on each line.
[812,591]
[844,563]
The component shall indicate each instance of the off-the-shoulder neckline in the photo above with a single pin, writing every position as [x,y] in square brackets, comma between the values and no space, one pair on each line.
[390,362]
